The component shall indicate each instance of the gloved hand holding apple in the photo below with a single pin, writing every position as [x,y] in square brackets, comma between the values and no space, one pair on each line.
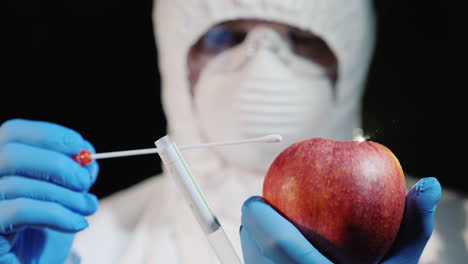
[327,201]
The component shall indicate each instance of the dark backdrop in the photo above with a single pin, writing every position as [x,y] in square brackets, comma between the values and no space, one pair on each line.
[92,66]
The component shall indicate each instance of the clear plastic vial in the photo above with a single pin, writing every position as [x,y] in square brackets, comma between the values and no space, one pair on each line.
[175,163]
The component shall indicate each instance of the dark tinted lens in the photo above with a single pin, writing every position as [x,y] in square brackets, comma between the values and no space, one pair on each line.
[315,49]
[219,39]
[305,44]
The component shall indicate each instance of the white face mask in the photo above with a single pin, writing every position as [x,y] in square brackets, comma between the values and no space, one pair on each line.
[257,88]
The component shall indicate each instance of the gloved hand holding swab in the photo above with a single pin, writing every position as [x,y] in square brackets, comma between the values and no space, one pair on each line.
[84,157]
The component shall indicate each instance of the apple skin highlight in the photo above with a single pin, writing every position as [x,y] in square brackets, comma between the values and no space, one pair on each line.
[346,197]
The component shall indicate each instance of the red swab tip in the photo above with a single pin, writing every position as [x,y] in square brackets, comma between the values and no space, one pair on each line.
[83,157]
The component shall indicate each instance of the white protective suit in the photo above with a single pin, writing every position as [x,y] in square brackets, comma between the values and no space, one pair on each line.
[150,222]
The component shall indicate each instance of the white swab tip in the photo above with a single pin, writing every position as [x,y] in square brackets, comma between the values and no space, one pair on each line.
[272,138]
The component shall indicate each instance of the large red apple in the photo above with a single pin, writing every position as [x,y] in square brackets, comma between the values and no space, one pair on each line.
[346,197]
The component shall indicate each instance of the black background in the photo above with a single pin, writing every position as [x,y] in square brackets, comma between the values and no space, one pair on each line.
[92,66]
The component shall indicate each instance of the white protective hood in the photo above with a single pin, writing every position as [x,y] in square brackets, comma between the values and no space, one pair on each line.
[346,26]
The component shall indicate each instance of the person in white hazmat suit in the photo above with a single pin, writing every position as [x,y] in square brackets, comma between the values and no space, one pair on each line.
[230,70]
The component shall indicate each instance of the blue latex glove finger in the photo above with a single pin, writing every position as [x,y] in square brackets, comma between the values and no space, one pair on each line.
[20,213]
[27,246]
[42,135]
[25,160]
[6,243]
[52,246]
[267,237]
[9,258]
[12,187]
[418,222]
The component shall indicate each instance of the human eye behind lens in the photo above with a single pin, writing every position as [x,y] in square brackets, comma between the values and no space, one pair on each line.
[311,46]
[219,39]
[303,39]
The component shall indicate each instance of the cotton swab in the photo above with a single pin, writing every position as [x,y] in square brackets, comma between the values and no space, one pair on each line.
[84,157]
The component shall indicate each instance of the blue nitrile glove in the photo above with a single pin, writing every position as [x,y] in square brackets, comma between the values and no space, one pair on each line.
[43,191]
[268,238]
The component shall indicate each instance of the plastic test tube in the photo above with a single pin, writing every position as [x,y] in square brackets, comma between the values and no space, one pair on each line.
[175,163]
